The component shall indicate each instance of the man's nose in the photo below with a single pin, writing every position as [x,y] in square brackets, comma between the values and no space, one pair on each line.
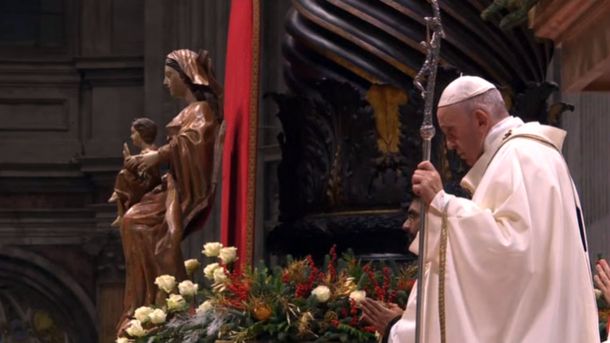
[405,225]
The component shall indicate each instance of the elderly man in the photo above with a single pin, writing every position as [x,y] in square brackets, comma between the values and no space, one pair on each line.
[517,268]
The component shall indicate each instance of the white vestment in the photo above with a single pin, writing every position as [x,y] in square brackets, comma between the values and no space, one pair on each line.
[517,270]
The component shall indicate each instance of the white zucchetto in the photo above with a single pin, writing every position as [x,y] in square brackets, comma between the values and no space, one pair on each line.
[464,88]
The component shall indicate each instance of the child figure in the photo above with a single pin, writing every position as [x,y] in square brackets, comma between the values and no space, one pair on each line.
[131,184]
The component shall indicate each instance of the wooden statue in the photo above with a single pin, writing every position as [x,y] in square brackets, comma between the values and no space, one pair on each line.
[153,228]
[130,184]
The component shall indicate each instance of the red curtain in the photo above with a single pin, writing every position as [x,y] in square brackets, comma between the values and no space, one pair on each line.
[241,114]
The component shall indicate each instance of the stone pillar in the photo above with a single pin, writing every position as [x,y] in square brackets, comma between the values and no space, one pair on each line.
[272,80]
[110,285]
[586,150]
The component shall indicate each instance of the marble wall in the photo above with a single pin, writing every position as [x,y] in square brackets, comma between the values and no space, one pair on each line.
[586,150]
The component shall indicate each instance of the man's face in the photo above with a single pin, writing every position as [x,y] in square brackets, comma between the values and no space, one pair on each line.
[411,225]
[464,131]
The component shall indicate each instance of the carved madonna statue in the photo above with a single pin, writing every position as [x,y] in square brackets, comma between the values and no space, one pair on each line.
[153,228]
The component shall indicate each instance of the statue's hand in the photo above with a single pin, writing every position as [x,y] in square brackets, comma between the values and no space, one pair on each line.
[148,160]
[130,163]
[126,152]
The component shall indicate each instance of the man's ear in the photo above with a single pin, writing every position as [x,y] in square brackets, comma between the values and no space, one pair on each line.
[482,118]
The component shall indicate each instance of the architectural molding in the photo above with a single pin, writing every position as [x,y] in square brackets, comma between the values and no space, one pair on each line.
[582,30]
[51,281]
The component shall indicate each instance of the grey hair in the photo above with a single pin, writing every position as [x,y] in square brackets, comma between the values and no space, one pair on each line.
[490,101]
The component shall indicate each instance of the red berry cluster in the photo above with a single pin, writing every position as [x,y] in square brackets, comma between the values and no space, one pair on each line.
[239,288]
[332,269]
[304,288]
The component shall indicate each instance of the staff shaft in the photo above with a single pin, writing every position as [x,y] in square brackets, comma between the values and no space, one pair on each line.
[427,131]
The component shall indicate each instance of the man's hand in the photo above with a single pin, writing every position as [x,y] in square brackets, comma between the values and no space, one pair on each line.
[378,314]
[426,182]
[602,278]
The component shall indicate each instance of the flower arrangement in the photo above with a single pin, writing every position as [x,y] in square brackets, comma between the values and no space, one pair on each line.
[300,302]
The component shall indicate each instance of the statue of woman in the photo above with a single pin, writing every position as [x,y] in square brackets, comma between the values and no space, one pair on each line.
[152,229]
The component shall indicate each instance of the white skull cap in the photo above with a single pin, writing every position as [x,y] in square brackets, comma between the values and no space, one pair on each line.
[464,88]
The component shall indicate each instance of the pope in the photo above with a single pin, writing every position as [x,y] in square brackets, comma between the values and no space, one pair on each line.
[517,267]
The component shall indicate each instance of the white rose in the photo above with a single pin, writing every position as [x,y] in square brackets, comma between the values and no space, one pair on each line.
[208,271]
[188,288]
[123,340]
[357,296]
[322,293]
[142,313]
[191,265]
[228,255]
[205,307]
[135,329]
[598,293]
[211,249]
[157,316]
[175,302]
[166,282]
[219,275]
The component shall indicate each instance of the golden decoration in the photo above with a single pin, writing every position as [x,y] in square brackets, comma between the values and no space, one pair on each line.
[305,324]
[386,101]
[42,321]
[295,271]
[262,312]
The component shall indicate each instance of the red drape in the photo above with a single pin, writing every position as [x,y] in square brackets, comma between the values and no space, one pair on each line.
[240,113]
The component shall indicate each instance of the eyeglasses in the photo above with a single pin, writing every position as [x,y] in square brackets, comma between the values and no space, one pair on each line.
[412,215]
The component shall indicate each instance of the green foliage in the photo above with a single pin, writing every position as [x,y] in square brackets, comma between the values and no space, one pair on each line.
[277,304]
[508,14]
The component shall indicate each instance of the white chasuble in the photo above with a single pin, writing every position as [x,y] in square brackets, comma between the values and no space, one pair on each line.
[516,269]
